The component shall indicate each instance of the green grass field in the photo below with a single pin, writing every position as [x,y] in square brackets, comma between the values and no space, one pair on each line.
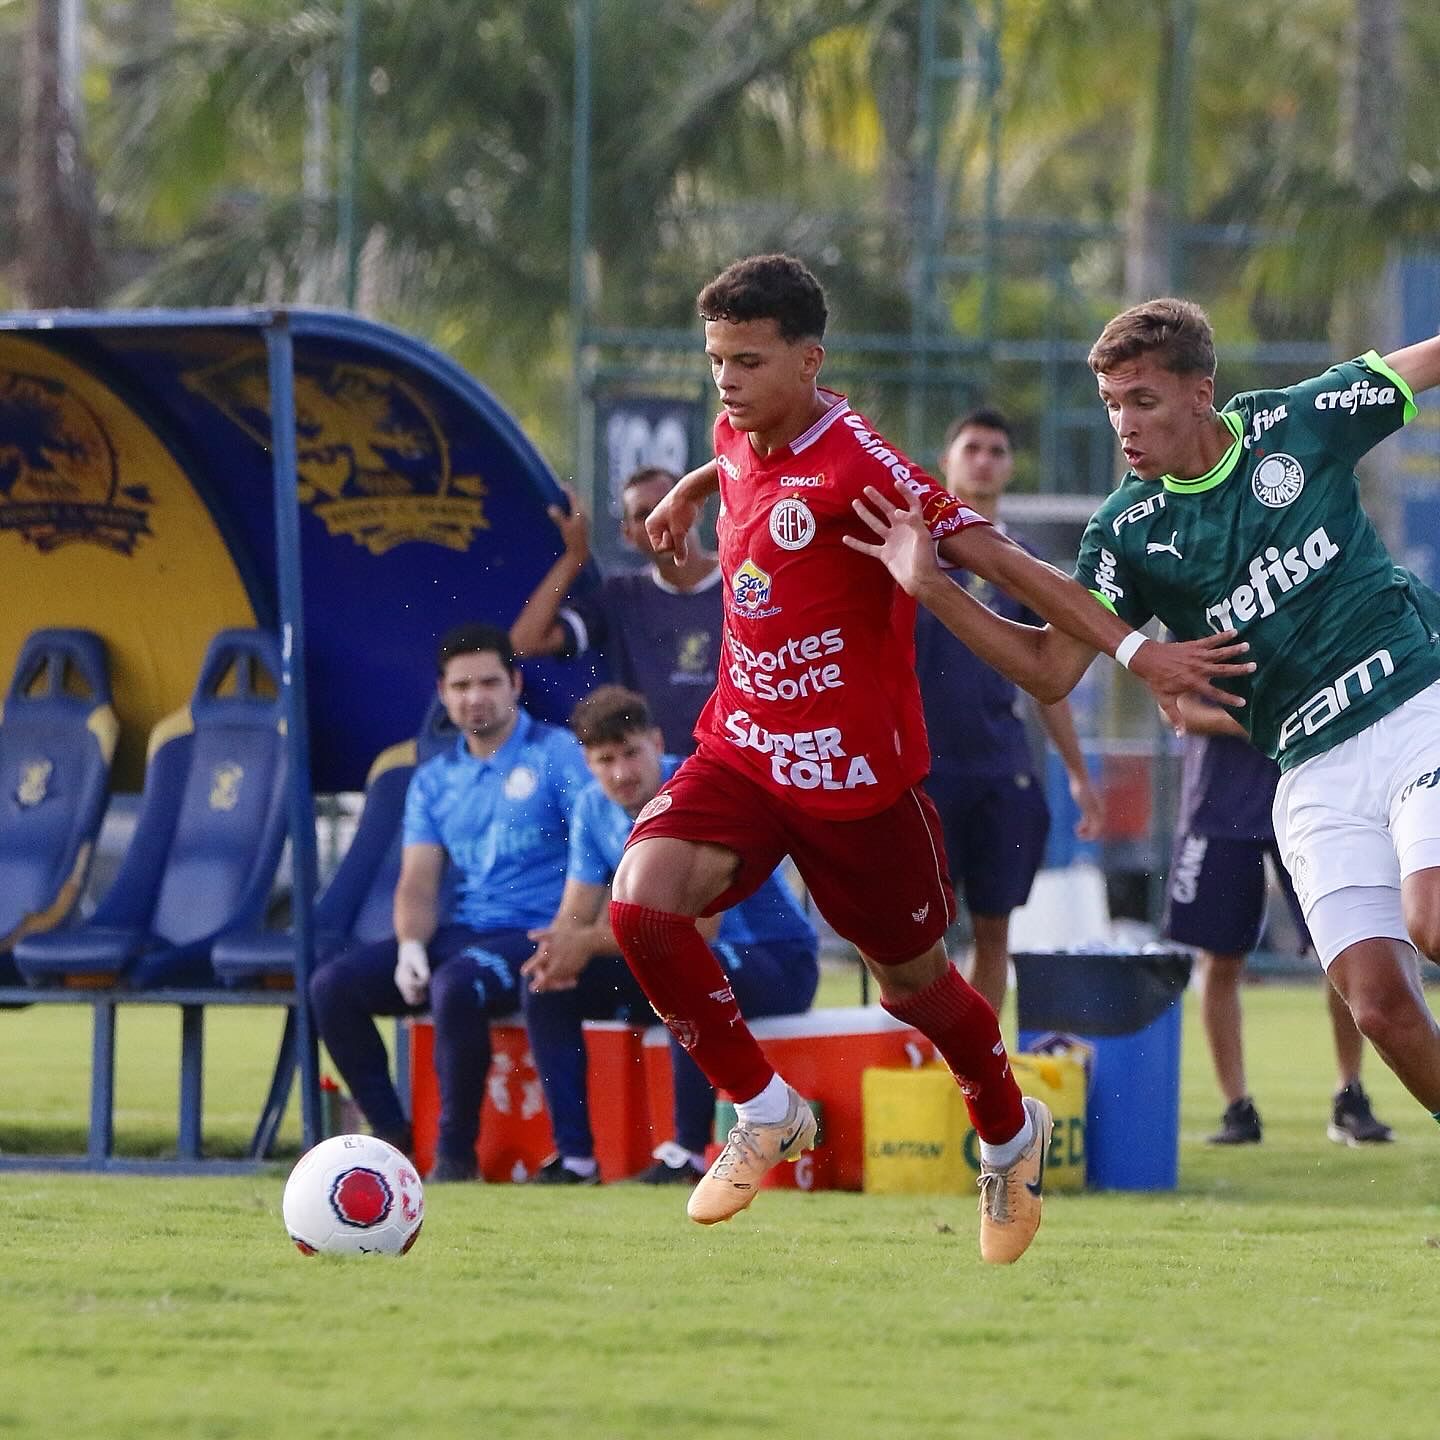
[1288,1290]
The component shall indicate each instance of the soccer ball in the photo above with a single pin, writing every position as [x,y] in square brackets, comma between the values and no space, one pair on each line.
[353,1195]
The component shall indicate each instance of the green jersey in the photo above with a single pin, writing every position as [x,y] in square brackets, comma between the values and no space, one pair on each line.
[1273,543]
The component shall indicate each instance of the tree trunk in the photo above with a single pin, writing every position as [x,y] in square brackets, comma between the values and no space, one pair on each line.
[1368,155]
[1369,146]
[897,97]
[1157,197]
[59,264]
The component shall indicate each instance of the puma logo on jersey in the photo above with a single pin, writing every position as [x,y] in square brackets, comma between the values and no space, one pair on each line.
[1287,572]
[1154,547]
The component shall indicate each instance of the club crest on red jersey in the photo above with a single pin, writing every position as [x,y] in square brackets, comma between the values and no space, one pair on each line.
[657,805]
[792,526]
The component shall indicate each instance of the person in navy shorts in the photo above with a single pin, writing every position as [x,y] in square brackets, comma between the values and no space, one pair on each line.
[765,945]
[495,812]
[1215,902]
[982,772]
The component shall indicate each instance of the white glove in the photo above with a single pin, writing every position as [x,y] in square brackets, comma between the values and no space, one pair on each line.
[412,974]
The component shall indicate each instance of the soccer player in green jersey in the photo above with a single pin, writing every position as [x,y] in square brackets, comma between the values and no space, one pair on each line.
[1250,518]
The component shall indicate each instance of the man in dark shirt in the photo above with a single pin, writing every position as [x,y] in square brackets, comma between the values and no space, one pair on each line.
[1216,903]
[982,773]
[659,628]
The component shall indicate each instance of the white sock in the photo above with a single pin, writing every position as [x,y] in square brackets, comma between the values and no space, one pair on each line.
[1002,1157]
[584,1168]
[769,1107]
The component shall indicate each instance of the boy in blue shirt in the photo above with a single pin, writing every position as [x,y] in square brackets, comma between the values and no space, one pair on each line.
[495,812]
[766,945]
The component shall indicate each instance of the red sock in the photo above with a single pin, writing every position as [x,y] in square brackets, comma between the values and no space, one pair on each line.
[691,993]
[955,1016]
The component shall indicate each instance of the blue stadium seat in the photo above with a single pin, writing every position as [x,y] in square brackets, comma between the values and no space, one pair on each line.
[57,738]
[207,838]
[356,906]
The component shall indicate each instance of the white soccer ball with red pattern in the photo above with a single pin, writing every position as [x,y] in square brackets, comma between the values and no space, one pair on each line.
[353,1195]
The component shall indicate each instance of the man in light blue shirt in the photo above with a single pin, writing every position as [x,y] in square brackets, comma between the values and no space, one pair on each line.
[493,812]
[765,944]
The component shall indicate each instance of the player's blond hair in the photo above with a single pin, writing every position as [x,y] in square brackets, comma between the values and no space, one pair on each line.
[1177,332]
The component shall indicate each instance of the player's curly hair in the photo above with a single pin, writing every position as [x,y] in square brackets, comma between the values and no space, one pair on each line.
[768,287]
[609,715]
[1176,331]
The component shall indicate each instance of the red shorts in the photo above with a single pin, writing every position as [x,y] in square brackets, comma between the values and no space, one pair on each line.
[882,881]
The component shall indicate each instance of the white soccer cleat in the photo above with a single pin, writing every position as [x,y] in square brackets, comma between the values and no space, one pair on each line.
[1011,1199]
[729,1185]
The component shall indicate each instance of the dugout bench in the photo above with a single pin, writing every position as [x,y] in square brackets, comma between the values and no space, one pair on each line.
[192,1003]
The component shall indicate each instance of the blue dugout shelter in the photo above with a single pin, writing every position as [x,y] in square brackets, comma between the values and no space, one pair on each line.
[167,474]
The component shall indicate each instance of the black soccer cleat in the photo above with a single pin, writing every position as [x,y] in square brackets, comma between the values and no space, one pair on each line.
[671,1165]
[1239,1125]
[553,1172]
[452,1169]
[1353,1122]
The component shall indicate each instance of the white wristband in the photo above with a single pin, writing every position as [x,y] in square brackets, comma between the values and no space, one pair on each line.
[1125,650]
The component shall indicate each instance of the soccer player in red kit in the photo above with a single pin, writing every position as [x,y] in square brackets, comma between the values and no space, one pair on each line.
[813,745]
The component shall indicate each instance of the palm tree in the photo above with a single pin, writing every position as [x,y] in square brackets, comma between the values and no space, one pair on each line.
[465,187]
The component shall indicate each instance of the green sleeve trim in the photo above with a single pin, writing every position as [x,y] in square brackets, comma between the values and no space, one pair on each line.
[1218,472]
[1105,601]
[1378,365]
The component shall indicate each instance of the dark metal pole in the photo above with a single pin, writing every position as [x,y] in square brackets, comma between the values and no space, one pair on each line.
[348,237]
[990,90]
[580,233]
[280,350]
[1180,105]
[929,224]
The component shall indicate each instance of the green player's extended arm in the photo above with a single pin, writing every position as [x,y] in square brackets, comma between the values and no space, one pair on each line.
[1045,662]
[1417,365]
[1079,627]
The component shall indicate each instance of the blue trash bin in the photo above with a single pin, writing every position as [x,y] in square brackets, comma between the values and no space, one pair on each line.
[1127,1006]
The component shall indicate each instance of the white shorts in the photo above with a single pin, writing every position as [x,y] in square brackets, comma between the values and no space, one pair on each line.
[1365,813]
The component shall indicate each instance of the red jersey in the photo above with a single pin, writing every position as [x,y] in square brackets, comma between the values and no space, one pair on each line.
[817,698]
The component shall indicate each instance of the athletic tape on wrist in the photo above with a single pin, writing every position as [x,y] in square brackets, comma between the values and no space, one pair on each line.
[1125,650]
